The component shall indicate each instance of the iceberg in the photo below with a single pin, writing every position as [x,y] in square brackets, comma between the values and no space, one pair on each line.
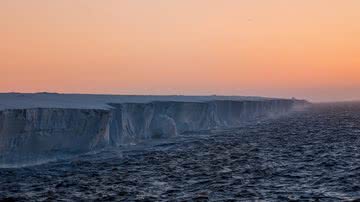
[35,126]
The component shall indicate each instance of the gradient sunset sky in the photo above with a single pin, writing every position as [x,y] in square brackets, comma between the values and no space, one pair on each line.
[280,48]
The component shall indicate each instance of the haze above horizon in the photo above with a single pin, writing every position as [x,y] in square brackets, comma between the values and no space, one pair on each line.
[275,48]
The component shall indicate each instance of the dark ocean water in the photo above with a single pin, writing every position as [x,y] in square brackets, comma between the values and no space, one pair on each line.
[312,155]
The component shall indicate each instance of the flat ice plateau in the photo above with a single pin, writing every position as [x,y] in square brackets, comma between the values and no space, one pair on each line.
[43,125]
[91,101]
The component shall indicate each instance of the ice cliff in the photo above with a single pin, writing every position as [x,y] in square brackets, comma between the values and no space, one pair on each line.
[27,133]
[30,133]
[135,122]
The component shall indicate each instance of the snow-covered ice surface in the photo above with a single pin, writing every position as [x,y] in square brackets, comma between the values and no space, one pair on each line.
[55,100]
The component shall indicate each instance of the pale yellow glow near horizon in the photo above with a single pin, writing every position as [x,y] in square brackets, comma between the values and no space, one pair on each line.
[280,48]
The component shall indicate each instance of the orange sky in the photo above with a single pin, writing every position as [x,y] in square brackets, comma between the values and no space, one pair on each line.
[307,49]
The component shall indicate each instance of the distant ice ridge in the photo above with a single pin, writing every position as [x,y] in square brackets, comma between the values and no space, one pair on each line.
[30,134]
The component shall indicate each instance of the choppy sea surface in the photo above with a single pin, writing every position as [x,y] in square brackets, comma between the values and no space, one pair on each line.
[313,155]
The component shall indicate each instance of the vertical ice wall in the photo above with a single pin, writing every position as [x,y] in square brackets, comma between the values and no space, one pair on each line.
[135,122]
[27,133]
[30,133]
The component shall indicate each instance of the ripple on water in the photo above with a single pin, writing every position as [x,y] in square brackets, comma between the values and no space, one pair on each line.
[309,156]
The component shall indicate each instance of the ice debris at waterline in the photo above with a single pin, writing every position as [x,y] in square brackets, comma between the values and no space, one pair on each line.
[34,127]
